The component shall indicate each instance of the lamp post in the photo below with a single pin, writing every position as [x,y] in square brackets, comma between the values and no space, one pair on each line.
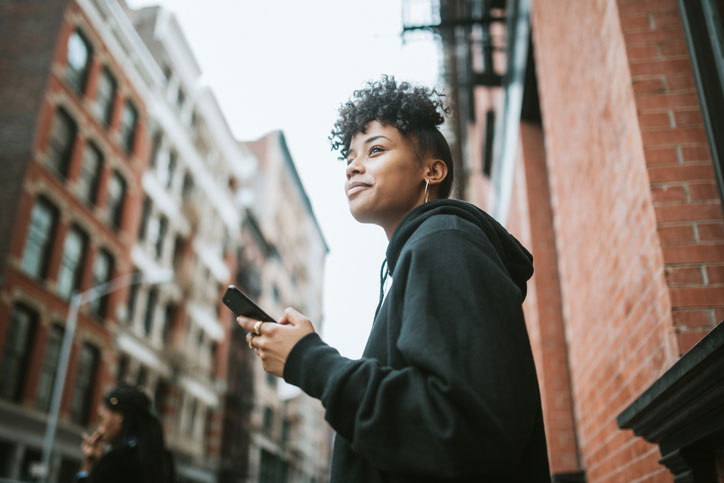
[76,300]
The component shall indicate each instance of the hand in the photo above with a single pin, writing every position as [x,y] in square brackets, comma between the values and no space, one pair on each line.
[92,448]
[277,339]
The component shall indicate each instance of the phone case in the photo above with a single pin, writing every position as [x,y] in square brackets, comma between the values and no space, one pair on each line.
[241,304]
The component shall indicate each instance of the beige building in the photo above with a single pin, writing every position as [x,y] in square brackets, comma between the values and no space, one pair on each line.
[176,337]
[290,441]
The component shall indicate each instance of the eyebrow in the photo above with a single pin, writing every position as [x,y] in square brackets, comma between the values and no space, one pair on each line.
[369,140]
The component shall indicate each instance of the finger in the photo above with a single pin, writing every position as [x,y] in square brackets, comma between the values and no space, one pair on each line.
[249,340]
[246,323]
[292,316]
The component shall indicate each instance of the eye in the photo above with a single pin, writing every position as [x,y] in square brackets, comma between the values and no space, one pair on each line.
[375,150]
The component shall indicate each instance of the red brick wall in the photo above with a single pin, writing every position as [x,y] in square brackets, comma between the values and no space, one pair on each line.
[544,314]
[38,180]
[614,294]
[686,199]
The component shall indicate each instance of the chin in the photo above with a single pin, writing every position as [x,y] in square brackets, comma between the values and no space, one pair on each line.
[361,215]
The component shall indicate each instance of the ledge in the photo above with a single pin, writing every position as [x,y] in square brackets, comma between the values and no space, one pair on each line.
[683,411]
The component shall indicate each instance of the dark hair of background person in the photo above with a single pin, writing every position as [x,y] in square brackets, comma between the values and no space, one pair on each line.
[141,424]
[415,111]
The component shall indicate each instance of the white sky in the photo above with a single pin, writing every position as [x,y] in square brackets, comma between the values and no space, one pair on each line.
[288,64]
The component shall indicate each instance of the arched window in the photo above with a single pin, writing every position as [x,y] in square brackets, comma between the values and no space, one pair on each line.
[78,60]
[40,238]
[71,267]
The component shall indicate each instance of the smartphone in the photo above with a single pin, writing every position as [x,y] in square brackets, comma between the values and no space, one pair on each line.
[240,304]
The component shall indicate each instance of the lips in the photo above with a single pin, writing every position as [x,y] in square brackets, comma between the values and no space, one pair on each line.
[355,187]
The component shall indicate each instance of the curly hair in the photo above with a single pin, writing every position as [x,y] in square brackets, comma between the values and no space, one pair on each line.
[414,110]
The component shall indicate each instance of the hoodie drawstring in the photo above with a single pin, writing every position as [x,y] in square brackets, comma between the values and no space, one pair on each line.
[384,273]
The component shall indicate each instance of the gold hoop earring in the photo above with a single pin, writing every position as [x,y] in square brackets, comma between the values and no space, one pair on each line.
[427,183]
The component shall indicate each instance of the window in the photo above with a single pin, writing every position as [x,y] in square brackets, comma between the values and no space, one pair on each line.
[705,36]
[168,320]
[102,272]
[488,143]
[275,293]
[172,159]
[156,149]
[159,396]
[79,55]
[116,195]
[83,390]
[50,362]
[142,377]
[122,369]
[90,173]
[71,266]
[145,213]
[178,247]
[129,119]
[167,73]
[180,98]
[150,311]
[40,234]
[105,95]
[193,407]
[132,296]
[188,186]
[61,141]
[16,353]
[162,229]
[268,418]
[272,468]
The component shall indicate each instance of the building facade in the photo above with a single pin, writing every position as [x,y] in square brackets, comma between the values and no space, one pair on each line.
[592,130]
[73,102]
[290,441]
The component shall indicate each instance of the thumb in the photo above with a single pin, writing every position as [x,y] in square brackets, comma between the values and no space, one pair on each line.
[294,318]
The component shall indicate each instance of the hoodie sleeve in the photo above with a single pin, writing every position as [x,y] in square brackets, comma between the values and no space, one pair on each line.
[467,399]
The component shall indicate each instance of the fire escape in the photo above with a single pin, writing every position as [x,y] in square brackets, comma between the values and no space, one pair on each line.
[485,45]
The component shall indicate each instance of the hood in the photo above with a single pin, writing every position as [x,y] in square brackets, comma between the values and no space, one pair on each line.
[517,260]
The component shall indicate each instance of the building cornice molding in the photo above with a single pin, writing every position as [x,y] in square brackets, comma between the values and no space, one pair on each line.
[683,410]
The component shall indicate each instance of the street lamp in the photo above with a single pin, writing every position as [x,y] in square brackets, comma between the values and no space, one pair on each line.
[76,300]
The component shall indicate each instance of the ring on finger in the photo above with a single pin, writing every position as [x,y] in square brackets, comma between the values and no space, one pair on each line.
[257,327]
[249,339]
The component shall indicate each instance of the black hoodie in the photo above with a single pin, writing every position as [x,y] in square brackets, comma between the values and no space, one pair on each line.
[446,389]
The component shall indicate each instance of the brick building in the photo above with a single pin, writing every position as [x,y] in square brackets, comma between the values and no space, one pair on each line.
[74,125]
[118,160]
[593,131]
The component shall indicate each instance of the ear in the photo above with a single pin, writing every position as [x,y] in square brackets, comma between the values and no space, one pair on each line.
[436,171]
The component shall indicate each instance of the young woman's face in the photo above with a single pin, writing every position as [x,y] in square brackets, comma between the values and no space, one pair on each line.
[110,424]
[384,178]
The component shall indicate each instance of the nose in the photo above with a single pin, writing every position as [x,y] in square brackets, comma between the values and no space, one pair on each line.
[354,167]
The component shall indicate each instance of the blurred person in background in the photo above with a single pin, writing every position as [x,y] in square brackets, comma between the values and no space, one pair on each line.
[446,388]
[128,444]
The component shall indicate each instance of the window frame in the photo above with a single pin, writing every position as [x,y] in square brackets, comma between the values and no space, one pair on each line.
[115,205]
[77,269]
[86,374]
[59,153]
[46,378]
[104,111]
[41,271]
[705,43]
[88,185]
[99,306]
[17,351]
[127,132]
[78,78]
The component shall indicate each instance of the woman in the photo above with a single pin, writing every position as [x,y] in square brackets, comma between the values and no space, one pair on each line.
[446,388]
[128,444]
